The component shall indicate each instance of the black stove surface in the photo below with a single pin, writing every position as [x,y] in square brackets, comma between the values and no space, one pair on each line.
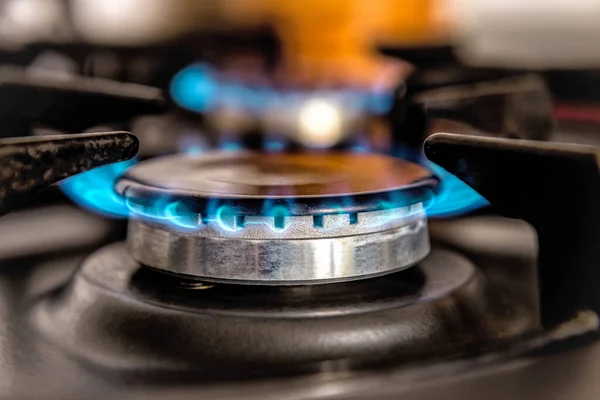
[86,347]
[96,323]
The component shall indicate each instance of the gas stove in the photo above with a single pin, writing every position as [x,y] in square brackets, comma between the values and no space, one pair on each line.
[445,265]
[285,267]
[247,274]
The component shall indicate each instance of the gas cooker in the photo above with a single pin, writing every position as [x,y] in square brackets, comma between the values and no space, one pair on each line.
[303,252]
[475,305]
[273,272]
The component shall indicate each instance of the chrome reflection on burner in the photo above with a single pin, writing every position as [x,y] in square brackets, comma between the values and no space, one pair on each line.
[278,218]
[340,249]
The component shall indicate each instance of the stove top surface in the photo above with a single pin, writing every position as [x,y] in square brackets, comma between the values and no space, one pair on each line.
[117,327]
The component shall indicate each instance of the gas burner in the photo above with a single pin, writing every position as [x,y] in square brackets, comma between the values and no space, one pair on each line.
[278,218]
[116,313]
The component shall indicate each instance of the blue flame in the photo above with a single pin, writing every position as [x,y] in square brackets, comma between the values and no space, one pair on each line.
[94,189]
[194,150]
[454,197]
[177,213]
[192,143]
[274,144]
[157,209]
[228,218]
[195,88]
[200,88]
[380,103]
[223,214]
[230,145]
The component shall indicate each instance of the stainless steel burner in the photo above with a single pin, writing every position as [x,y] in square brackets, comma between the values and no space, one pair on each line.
[247,175]
[334,224]
[246,256]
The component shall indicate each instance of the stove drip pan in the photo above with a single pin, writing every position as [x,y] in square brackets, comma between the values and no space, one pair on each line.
[119,314]
[278,219]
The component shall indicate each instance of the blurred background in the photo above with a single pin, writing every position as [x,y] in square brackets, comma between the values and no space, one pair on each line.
[380,76]
[315,73]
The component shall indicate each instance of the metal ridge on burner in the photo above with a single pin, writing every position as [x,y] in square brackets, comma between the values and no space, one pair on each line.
[302,183]
[282,261]
[278,219]
[290,227]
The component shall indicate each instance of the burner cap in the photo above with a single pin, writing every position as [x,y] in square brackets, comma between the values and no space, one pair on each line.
[305,183]
[278,218]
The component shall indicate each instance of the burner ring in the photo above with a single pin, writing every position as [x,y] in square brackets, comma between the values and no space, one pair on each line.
[304,184]
[279,262]
[293,219]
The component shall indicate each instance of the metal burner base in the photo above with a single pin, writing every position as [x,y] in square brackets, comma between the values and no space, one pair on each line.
[284,261]
[278,219]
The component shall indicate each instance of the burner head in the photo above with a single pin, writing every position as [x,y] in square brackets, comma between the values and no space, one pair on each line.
[306,184]
[278,218]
